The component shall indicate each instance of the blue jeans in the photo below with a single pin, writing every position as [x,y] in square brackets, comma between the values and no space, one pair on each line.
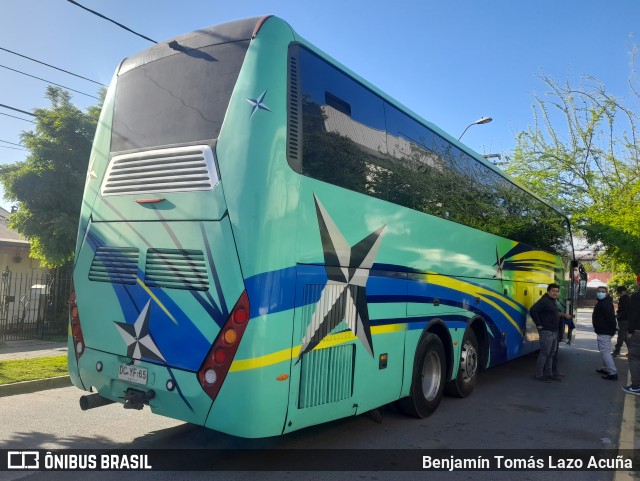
[548,343]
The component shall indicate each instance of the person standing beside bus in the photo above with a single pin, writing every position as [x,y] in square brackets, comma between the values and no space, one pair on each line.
[633,343]
[622,315]
[604,325]
[546,315]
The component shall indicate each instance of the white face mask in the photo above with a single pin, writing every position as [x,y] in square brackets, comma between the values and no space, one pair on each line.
[601,295]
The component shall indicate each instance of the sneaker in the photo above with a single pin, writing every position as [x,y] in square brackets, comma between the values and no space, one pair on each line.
[616,353]
[602,371]
[631,389]
[611,377]
[542,379]
[556,377]
[560,375]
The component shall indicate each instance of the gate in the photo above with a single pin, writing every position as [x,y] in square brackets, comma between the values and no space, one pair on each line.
[34,306]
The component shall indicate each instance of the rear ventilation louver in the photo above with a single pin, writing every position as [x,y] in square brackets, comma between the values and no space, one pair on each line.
[118,265]
[179,169]
[294,137]
[176,269]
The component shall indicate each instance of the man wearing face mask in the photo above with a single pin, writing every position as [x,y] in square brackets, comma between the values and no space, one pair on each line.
[604,325]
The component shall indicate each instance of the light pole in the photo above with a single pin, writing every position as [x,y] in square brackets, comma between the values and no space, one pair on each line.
[482,120]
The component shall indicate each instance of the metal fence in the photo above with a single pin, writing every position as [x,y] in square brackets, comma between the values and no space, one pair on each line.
[34,306]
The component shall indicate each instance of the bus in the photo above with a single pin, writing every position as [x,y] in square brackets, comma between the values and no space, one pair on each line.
[268,242]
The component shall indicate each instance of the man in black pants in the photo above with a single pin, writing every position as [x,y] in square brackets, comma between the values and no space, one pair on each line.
[623,319]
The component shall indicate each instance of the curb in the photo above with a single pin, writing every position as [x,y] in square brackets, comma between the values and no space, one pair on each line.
[26,387]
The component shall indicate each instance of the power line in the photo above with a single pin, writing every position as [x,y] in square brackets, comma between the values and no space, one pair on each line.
[48,81]
[12,143]
[12,148]
[52,66]
[19,118]
[112,21]
[17,110]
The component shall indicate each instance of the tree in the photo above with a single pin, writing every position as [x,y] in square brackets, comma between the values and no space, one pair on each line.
[48,185]
[583,154]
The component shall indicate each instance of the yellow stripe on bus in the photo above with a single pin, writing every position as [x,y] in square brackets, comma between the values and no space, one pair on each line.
[292,353]
[157,301]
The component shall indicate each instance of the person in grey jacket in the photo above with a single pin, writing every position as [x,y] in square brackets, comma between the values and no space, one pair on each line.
[604,325]
[546,316]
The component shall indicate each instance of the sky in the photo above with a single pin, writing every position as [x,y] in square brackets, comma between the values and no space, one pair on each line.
[450,61]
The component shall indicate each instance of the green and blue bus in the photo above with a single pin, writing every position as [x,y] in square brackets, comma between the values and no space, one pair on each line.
[269,242]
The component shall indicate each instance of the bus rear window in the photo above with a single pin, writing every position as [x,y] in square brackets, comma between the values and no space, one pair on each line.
[176,99]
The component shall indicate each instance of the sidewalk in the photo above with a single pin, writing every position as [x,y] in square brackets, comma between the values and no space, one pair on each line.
[12,350]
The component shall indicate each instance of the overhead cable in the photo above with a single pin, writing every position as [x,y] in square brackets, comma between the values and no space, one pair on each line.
[19,118]
[12,148]
[18,110]
[12,143]
[48,81]
[52,66]
[111,20]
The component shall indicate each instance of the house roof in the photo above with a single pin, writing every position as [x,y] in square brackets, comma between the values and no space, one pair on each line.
[9,237]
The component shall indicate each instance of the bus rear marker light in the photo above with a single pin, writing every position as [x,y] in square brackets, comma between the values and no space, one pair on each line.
[150,201]
[282,377]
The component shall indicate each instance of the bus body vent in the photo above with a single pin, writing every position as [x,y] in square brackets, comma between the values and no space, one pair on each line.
[176,269]
[177,169]
[326,376]
[118,265]
[294,134]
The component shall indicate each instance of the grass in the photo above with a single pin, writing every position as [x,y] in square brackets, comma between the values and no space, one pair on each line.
[31,369]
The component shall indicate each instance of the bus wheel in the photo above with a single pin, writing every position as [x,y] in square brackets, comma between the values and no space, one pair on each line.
[427,384]
[467,378]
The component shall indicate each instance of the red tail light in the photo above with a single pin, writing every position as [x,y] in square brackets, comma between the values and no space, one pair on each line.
[76,329]
[216,365]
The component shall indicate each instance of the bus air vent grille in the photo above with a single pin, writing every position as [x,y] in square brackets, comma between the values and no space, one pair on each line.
[294,137]
[326,376]
[178,169]
[176,269]
[118,265]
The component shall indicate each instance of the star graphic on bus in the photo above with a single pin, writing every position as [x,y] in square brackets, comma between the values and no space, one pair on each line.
[138,338]
[258,104]
[344,297]
[499,265]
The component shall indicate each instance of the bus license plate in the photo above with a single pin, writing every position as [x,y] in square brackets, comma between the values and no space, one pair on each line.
[133,374]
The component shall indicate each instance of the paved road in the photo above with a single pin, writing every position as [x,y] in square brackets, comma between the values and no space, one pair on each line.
[508,410]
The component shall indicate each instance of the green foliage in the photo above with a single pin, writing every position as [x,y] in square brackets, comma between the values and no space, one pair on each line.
[583,154]
[48,185]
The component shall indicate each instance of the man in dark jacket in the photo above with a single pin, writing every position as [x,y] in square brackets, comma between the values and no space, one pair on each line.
[604,325]
[633,343]
[546,315]
[622,315]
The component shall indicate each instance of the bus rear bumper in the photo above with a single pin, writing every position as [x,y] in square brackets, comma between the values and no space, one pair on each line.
[167,391]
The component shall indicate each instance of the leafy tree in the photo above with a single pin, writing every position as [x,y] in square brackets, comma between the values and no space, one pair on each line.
[48,185]
[583,153]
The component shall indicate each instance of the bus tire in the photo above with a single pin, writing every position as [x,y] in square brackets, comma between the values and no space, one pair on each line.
[467,378]
[428,379]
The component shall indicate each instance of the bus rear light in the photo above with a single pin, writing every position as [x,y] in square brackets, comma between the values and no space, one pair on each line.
[76,328]
[240,316]
[220,356]
[216,365]
[210,376]
[230,336]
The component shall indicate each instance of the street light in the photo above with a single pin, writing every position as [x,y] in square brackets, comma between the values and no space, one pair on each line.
[482,120]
